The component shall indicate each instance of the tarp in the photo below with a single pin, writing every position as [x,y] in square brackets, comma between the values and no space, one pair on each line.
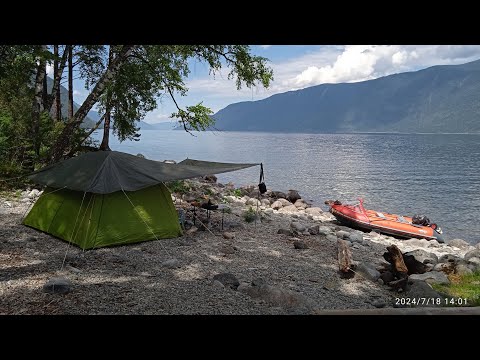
[104,172]
[96,220]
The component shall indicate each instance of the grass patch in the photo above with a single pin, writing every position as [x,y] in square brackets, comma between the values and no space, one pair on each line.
[462,286]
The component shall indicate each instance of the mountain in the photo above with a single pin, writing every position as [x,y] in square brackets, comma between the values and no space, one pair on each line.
[444,98]
[92,117]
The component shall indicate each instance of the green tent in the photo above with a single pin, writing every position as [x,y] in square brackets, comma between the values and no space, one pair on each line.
[111,198]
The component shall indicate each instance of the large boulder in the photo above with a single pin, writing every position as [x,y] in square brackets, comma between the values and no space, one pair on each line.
[423,256]
[297,227]
[314,211]
[228,280]
[278,195]
[418,289]
[288,209]
[57,285]
[277,205]
[471,254]
[284,202]
[431,277]
[293,196]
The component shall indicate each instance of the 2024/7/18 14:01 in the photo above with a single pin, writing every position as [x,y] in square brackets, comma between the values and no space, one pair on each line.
[431,301]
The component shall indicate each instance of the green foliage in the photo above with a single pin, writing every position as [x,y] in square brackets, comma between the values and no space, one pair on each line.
[138,76]
[462,286]
[178,186]
[234,192]
[249,215]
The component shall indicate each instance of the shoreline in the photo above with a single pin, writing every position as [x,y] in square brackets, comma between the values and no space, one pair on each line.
[285,262]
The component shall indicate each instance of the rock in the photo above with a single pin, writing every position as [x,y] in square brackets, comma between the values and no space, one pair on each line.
[253,202]
[291,301]
[431,277]
[227,249]
[342,234]
[277,205]
[258,282]
[218,284]
[26,200]
[449,258]
[265,202]
[380,281]
[288,209]
[8,203]
[300,204]
[227,279]
[368,271]
[462,269]
[242,287]
[471,254]
[477,245]
[228,235]
[355,237]
[332,238]
[293,196]
[268,211]
[423,256]
[31,239]
[57,285]
[171,264]
[325,230]
[33,194]
[298,227]
[416,243]
[284,202]
[387,276]
[285,231]
[299,245]
[192,230]
[418,289]
[210,178]
[315,211]
[278,195]
[459,243]
[474,261]
[379,303]
[445,267]
[314,230]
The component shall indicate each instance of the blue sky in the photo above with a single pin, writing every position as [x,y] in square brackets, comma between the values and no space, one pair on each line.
[299,66]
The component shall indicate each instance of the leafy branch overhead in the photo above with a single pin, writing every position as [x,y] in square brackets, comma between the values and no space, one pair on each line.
[124,82]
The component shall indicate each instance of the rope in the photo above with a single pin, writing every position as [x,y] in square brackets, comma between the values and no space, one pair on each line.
[73,230]
[149,228]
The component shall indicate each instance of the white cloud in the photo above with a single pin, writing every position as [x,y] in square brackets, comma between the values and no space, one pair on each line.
[265,46]
[364,62]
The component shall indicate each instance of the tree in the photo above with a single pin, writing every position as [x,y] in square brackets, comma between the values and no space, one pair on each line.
[136,76]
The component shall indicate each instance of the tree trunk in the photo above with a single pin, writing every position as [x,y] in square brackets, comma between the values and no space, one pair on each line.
[63,141]
[70,84]
[106,126]
[38,105]
[54,97]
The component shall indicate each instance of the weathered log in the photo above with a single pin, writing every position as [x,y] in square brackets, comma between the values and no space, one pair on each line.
[395,257]
[345,260]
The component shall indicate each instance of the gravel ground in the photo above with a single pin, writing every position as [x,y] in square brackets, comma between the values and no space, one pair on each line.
[133,279]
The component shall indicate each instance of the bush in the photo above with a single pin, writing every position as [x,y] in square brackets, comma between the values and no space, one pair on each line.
[178,186]
[249,215]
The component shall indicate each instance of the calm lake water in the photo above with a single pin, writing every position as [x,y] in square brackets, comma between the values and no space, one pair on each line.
[434,175]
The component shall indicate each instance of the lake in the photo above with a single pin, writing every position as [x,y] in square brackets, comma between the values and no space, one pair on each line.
[430,174]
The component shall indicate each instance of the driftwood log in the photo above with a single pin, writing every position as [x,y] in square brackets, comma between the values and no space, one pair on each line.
[395,257]
[345,260]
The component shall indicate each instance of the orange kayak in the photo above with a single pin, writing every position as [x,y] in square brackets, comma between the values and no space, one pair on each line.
[357,216]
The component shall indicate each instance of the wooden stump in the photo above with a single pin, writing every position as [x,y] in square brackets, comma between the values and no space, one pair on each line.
[345,261]
[395,257]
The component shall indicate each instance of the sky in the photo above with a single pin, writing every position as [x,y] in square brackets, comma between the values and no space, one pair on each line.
[300,66]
